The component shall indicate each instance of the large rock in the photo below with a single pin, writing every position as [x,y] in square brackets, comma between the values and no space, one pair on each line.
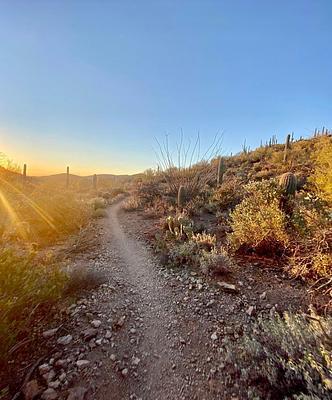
[64,340]
[228,287]
[50,333]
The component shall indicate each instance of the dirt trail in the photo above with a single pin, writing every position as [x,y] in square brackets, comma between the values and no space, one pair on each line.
[150,332]
[164,349]
[136,270]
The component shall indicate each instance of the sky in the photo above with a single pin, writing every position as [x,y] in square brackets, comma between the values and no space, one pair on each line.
[93,84]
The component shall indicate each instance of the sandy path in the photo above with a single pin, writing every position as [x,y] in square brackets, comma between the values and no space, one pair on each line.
[135,269]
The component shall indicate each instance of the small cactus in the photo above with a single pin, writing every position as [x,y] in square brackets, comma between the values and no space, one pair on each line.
[288,183]
[67,178]
[221,171]
[181,196]
[24,173]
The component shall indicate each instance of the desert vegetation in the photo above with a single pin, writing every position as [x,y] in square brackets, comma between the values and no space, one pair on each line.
[35,217]
[271,203]
[211,215]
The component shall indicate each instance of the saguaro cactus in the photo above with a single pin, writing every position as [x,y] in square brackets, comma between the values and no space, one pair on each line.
[181,196]
[287,147]
[288,183]
[221,171]
[94,182]
[24,174]
[67,178]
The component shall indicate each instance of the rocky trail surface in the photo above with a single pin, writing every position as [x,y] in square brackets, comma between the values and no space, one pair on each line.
[149,332]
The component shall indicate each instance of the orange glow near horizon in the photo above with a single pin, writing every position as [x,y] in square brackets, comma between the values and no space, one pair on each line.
[48,158]
[38,168]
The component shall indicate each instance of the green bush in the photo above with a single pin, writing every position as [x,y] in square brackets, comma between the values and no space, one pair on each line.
[100,213]
[25,285]
[257,222]
[282,358]
[98,203]
[215,262]
[322,177]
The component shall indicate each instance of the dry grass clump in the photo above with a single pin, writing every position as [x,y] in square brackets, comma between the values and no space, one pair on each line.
[25,285]
[133,203]
[257,222]
[283,357]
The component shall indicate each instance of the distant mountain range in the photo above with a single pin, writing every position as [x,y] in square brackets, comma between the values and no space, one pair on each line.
[103,179]
[75,180]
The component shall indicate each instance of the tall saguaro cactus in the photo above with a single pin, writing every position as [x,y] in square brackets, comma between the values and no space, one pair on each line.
[24,173]
[221,171]
[287,147]
[67,178]
[94,182]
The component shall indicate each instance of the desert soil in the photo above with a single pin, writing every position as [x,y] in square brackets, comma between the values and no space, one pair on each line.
[151,332]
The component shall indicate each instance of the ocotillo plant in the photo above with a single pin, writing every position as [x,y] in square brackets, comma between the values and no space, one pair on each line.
[67,178]
[94,182]
[181,197]
[288,183]
[287,147]
[221,171]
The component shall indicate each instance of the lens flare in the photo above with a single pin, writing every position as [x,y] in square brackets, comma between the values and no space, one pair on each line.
[46,217]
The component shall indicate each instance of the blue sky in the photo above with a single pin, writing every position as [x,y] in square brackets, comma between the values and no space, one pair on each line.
[92,83]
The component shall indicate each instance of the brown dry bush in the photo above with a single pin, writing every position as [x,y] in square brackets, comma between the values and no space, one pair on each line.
[228,194]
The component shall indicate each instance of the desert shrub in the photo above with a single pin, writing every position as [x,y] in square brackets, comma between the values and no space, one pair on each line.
[322,177]
[282,358]
[183,253]
[310,227]
[159,207]
[257,222]
[132,204]
[99,203]
[99,213]
[195,205]
[150,190]
[25,285]
[228,194]
[215,262]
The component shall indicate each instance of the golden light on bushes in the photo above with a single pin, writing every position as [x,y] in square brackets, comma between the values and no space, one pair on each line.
[34,206]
